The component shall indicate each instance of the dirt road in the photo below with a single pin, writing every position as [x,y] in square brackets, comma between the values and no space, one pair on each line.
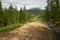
[31,31]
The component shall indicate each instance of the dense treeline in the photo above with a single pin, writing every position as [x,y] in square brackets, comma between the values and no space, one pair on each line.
[53,11]
[52,16]
[12,15]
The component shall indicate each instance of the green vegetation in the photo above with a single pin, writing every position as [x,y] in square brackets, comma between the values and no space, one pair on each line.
[53,11]
[11,18]
[52,17]
[1,15]
[9,27]
[41,17]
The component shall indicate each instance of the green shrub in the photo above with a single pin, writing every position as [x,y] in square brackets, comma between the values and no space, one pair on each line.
[9,27]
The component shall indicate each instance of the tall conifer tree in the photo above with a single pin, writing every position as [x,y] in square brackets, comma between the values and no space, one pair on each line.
[1,15]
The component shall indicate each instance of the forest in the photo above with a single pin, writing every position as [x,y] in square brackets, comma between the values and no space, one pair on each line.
[12,18]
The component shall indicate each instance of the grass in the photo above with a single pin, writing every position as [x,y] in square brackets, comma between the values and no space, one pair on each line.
[41,17]
[9,27]
[12,27]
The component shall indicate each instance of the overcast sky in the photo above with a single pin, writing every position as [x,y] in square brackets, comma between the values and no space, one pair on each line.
[28,3]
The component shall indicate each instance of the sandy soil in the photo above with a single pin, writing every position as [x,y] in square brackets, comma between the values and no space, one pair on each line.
[31,31]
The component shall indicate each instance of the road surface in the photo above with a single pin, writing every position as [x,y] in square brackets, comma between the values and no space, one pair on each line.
[31,31]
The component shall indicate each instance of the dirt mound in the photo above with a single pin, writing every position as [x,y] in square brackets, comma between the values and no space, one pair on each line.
[30,31]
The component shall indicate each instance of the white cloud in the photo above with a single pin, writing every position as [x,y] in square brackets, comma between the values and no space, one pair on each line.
[28,3]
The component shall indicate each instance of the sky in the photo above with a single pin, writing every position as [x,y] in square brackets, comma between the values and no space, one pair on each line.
[27,3]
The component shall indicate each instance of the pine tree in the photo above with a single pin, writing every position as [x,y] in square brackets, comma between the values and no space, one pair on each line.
[25,14]
[1,15]
[54,15]
[5,17]
[15,15]
[21,15]
[51,11]
[57,11]
[12,15]
[47,14]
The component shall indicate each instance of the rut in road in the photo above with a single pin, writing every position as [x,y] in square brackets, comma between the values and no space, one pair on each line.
[31,31]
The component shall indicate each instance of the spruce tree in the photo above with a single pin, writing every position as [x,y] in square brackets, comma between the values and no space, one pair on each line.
[12,15]
[51,11]
[21,15]
[25,14]
[5,17]
[1,15]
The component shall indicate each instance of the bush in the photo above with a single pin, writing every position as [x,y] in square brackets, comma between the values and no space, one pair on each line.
[9,27]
